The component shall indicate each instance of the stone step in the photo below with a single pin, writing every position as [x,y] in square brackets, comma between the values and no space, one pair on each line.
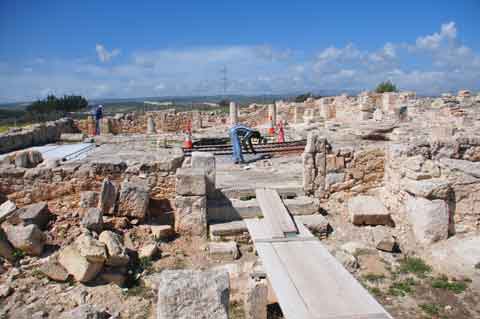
[245,192]
[234,209]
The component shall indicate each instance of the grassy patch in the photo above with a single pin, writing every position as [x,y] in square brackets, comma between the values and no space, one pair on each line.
[456,287]
[235,311]
[375,291]
[402,288]
[414,265]
[37,273]
[18,254]
[430,309]
[374,278]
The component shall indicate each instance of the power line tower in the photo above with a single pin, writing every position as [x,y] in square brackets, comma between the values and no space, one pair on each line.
[224,80]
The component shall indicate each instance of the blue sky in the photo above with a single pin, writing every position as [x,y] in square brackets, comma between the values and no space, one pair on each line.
[158,48]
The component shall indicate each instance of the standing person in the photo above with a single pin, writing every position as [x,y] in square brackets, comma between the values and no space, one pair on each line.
[98,117]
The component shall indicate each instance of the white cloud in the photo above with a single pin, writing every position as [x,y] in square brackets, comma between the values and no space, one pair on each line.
[104,55]
[428,64]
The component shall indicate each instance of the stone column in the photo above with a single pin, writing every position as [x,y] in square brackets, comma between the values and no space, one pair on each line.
[233,113]
[196,120]
[151,125]
[256,300]
[272,113]
[105,126]
[314,165]
[191,202]
[206,161]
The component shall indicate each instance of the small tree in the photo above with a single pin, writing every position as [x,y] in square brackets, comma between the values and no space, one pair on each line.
[386,86]
[302,97]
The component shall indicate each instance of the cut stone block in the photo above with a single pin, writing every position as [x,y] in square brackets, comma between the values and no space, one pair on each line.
[318,224]
[108,196]
[6,250]
[148,251]
[227,229]
[256,300]
[162,231]
[37,214]
[53,270]
[190,182]
[429,219]
[223,250]
[117,255]
[93,219]
[28,238]
[88,199]
[187,294]
[206,161]
[368,210]
[90,248]
[6,210]
[77,265]
[191,215]
[430,188]
[133,200]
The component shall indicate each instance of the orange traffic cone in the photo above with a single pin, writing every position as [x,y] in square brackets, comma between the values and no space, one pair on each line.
[187,143]
[281,133]
[271,129]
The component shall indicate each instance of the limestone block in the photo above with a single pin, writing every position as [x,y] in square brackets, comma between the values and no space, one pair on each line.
[72,137]
[108,196]
[77,265]
[88,199]
[368,210]
[334,178]
[93,219]
[315,143]
[191,215]
[317,224]
[256,300]
[6,210]
[117,255]
[37,214]
[186,294]
[429,219]
[190,182]
[148,251]
[429,188]
[206,161]
[151,129]
[227,250]
[53,270]
[27,238]
[90,248]
[234,228]
[113,275]
[133,200]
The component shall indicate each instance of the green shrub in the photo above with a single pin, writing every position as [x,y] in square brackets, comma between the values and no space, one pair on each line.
[414,265]
[386,86]
[456,287]
[430,309]
[374,278]
[402,288]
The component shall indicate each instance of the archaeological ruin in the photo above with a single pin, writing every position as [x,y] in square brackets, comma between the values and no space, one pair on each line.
[366,209]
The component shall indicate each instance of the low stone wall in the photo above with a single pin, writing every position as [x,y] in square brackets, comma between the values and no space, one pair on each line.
[327,170]
[26,186]
[38,134]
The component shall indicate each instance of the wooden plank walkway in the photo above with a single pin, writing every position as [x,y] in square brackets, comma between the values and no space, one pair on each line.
[308,281]
[275,213]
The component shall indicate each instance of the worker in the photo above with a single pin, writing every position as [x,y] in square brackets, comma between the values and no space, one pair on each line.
[243,135]
[98,117]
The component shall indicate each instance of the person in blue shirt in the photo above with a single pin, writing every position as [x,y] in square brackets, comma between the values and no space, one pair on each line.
[242,135]
[98,117]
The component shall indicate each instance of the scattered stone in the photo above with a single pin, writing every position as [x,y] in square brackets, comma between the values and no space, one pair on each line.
[148,251]
[227,250]
[28,238]
[373,264]
[93,219]
[84,312]
[317,224]
[7,209]
[133,200]
[184,294]
[77,265]
[108,196]
[368,210]
[190,182]
[6,250]
[234,228]
[430,188]
[388,244]
[162,231]
[429,219]
[53,270]
[117,255]
[37,214]
[88,199]
[355,248]
[90,248]
[28,159]
[5,290]
[347,260]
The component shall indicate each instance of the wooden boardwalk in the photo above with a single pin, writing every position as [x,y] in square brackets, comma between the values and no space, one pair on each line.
[308,281]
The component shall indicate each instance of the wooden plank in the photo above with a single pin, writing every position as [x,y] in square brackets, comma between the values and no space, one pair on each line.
[292,304]
[275,213]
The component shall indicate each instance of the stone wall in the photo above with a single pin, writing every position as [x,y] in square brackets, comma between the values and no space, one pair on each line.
[327,171]
[37,134]
[26,186]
